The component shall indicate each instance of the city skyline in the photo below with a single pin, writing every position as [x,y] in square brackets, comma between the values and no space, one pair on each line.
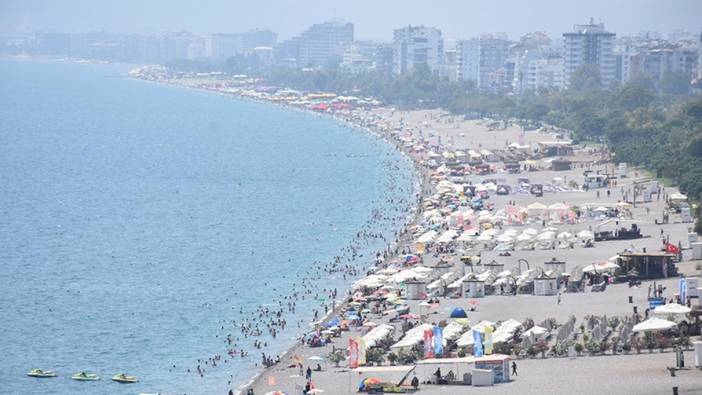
[469,20]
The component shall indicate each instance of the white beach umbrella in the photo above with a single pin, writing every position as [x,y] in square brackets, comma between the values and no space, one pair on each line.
[546,236]
[653,324]
[601,267]
[564,236]
[524,237]
[530,231]
[671,309]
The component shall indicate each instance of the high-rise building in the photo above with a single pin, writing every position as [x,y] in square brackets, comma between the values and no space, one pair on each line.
[590,44]
[316,46]
[417,45]
[226,45]
[699,58]
[479,58]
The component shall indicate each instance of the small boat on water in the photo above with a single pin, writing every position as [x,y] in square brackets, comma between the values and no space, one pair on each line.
[41,373]
[85,376]
[124,378]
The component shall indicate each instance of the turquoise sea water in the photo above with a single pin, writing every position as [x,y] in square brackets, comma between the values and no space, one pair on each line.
[137,220]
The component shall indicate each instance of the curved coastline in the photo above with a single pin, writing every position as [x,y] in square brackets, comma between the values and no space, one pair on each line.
[419,183]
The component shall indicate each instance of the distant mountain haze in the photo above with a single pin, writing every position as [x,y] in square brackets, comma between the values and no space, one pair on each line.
[373,19]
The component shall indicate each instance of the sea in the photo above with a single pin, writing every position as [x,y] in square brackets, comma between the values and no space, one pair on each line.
[138,220]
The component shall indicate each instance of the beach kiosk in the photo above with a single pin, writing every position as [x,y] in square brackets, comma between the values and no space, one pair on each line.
[498,364]
[555,266]
[545,285]
[495,267]
[473,288]
[650,265]
[416,290]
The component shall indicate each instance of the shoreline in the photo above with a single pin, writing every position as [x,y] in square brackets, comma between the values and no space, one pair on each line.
[420,182]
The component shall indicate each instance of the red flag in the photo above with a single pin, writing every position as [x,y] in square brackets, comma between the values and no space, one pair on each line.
[672,248]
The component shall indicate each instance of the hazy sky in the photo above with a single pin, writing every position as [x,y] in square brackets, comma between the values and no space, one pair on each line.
[373,19]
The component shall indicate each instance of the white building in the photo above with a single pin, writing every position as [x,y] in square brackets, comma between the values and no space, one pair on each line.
[318,45]
[479,58]
[545,74]
[417,45]
[590,44]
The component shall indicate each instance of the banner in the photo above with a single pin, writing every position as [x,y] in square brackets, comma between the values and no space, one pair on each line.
[361,350]
[488,340]
[682,290]
[438,341]
[428,346]
[353,354]
[477,344]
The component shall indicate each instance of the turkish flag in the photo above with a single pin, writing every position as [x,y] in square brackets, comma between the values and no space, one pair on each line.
[672,248]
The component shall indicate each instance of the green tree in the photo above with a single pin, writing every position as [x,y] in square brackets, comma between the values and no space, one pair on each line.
[675,83]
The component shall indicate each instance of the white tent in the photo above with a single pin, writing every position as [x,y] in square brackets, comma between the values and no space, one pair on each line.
[467,338]
[427,237]
[413,337]
[447,236]
[558,207]
[505,331]
[653,324]
[377,334]
[453,330]
[536,331]
[537,209]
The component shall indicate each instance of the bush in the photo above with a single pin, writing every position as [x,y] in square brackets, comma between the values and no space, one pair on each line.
[578,348]
[626,347]
[375,356]
[615,344]
[392,358]
[461,353]
[406,358]
[337,357]
[541,347]
[592,347]
[528,324]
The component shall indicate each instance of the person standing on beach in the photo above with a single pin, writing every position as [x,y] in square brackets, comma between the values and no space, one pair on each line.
[308,375]
[514,369]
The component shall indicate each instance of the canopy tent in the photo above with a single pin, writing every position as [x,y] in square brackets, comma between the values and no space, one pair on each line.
[653,324]
[678,197]
[454,329]
[427,237]
[377,334]
[413,337]
[505,331]
[447,236]
[536,331]
[467,338]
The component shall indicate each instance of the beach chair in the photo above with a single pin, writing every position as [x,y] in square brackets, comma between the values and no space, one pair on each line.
[599,287]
